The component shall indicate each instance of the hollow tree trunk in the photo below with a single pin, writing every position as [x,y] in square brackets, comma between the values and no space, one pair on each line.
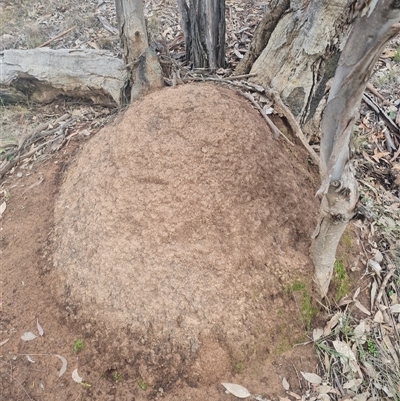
[143,67]
[379,22]
[203,24]
[301,47]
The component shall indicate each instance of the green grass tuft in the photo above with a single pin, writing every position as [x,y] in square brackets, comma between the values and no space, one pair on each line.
[78,345]
[341,280]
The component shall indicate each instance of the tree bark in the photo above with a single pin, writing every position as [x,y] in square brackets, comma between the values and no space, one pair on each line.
[203,25]
[301,53]
[262,35]
[141,61]
[40,75]
[379,22]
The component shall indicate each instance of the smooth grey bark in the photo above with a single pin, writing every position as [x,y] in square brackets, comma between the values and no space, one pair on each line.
[203,25]
[377,24]
[144,71]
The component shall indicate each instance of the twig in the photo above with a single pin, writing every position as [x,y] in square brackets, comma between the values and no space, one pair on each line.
[12,377]
[57,37]
[107,25]
[280,107]
[19,157]
[378,109]
[396,155]
[35,184]
[275,130]
[373,90]
[242,76]
[389,142]
[298,377]
[383,285]
[338,383]
[245,85]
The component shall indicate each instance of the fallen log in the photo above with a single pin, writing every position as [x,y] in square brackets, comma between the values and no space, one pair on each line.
[40,75]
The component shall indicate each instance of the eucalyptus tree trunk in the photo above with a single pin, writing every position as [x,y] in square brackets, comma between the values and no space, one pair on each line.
[141,61]
[203,24]
[296,48]
[377,24]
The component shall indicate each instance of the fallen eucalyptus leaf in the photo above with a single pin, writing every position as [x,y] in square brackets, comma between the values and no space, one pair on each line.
[390,348]
[76,377]
[325,389]
[317,333]
[374,290]
[260,398]
[64,365]
[237,390]
[332,323]
[371,370]
[347,357]
[378,256]
[30,359]
[395,308]
[352,384]
[285,384]
[4,342]
[376,267]
[312,377]
[343,349]
[39,327]
[359,331]
[3,207]
[378,318]
[28,336]
[362,308]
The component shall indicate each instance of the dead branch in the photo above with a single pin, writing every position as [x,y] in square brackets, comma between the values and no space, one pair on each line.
[280,107]
[60,35]
[275,130]
[22,151]
[378,110]
[40,75]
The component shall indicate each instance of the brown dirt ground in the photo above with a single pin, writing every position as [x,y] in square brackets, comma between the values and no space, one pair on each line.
[33,288]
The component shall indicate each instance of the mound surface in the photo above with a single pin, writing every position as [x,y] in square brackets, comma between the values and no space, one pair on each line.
[178,229]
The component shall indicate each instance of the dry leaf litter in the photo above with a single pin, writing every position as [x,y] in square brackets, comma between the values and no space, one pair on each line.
[359,352]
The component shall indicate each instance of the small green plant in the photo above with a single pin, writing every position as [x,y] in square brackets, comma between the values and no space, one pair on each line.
[396,56]
[78,345]
[341,280]
[371,347]
[142,384]
[117,376]
[298,286]
[239,367]
[307,310]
